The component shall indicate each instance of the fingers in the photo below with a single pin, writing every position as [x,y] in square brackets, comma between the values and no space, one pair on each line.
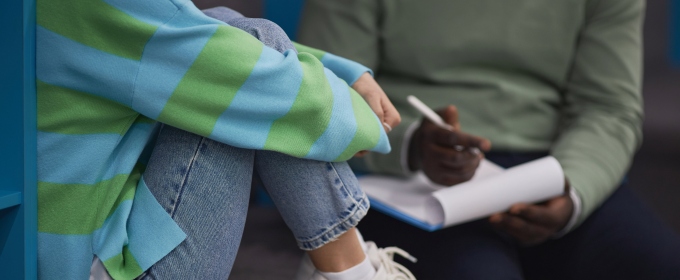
[376,98]
[451,139]
[450,116]
[447,178]
[553,214]
[534,223]
[442,160]
[441,153]
[392,118]
[532,213]
[387,127]
[455,159]
[374,101]
[456,138]
[525,232]
[361,153]
[447,166]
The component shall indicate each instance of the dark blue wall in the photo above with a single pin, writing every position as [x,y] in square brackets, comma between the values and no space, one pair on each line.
[675,32]
[18,222]
[285,13]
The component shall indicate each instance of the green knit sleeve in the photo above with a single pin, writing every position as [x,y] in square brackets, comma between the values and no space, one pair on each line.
[603,113]
[351,29]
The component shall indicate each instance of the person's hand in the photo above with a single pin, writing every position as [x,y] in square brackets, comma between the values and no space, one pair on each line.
[532,224]
[438,152]
[376,98]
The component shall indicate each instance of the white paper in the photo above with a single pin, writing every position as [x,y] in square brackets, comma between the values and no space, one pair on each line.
[491,190]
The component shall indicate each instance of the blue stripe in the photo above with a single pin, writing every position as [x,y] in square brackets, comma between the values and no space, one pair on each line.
[151,12]
[345,69]
[67,63]
[89,158]
[153,233]
[383,145]
[342,126]
[129,149]
[189,10]
[64,256]
[257,104]
[167,57]
[108,241]
[150,144]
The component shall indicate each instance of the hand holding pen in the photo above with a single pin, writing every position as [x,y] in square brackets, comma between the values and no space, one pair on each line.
[446,155]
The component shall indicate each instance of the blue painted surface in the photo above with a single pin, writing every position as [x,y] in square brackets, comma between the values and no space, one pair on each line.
[30,191]
[18,224]
[284,13]
[675,32]
[9,199]
[11,144]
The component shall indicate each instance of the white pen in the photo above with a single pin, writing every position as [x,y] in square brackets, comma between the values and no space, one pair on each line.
[436,119]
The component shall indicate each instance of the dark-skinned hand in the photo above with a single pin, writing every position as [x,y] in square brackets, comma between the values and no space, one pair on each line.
[532,224]
[437,151]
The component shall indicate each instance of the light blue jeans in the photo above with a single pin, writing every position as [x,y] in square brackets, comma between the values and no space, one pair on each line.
[205,186]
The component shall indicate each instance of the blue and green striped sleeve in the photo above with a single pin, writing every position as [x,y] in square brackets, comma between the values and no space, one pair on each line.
[345,69]
[235,90]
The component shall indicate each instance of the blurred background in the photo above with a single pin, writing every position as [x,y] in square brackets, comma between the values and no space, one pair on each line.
[655,174]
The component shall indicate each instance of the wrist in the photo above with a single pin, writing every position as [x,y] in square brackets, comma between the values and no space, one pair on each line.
[573,219]
[362,83]
[575,211]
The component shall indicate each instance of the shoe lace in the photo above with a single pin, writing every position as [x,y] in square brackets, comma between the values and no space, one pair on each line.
[395,271]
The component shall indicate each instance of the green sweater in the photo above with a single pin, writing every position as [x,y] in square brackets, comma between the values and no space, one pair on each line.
[557,76]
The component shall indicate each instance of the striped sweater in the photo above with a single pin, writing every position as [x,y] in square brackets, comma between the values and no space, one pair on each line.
[108,70]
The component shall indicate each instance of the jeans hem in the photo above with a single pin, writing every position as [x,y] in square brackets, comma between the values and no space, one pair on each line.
[352,220]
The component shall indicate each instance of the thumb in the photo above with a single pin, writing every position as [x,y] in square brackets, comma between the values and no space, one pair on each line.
[376,107]
[450,116]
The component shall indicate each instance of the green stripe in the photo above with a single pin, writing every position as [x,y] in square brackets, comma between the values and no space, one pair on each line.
[83,208]
[315,52]
[96,24]
[368,130]
[68,111]
[143,119]
[207,89]
[296,132]
[123,266]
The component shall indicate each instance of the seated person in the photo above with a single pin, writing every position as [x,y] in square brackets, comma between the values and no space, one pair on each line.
[558,78]
[107,73]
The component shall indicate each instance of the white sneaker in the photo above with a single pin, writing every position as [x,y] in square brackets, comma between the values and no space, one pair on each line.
[381,258]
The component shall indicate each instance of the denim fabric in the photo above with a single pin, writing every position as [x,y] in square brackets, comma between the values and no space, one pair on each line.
[264,30]
[318,200]
[205,185]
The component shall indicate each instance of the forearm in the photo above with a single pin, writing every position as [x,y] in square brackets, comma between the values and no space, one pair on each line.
[603,102]
[182,68]
[595,154]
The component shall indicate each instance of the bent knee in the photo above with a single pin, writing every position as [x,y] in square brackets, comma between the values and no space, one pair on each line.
[223,14]
[268,32]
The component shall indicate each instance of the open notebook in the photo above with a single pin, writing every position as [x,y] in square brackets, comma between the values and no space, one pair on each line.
[429,206]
